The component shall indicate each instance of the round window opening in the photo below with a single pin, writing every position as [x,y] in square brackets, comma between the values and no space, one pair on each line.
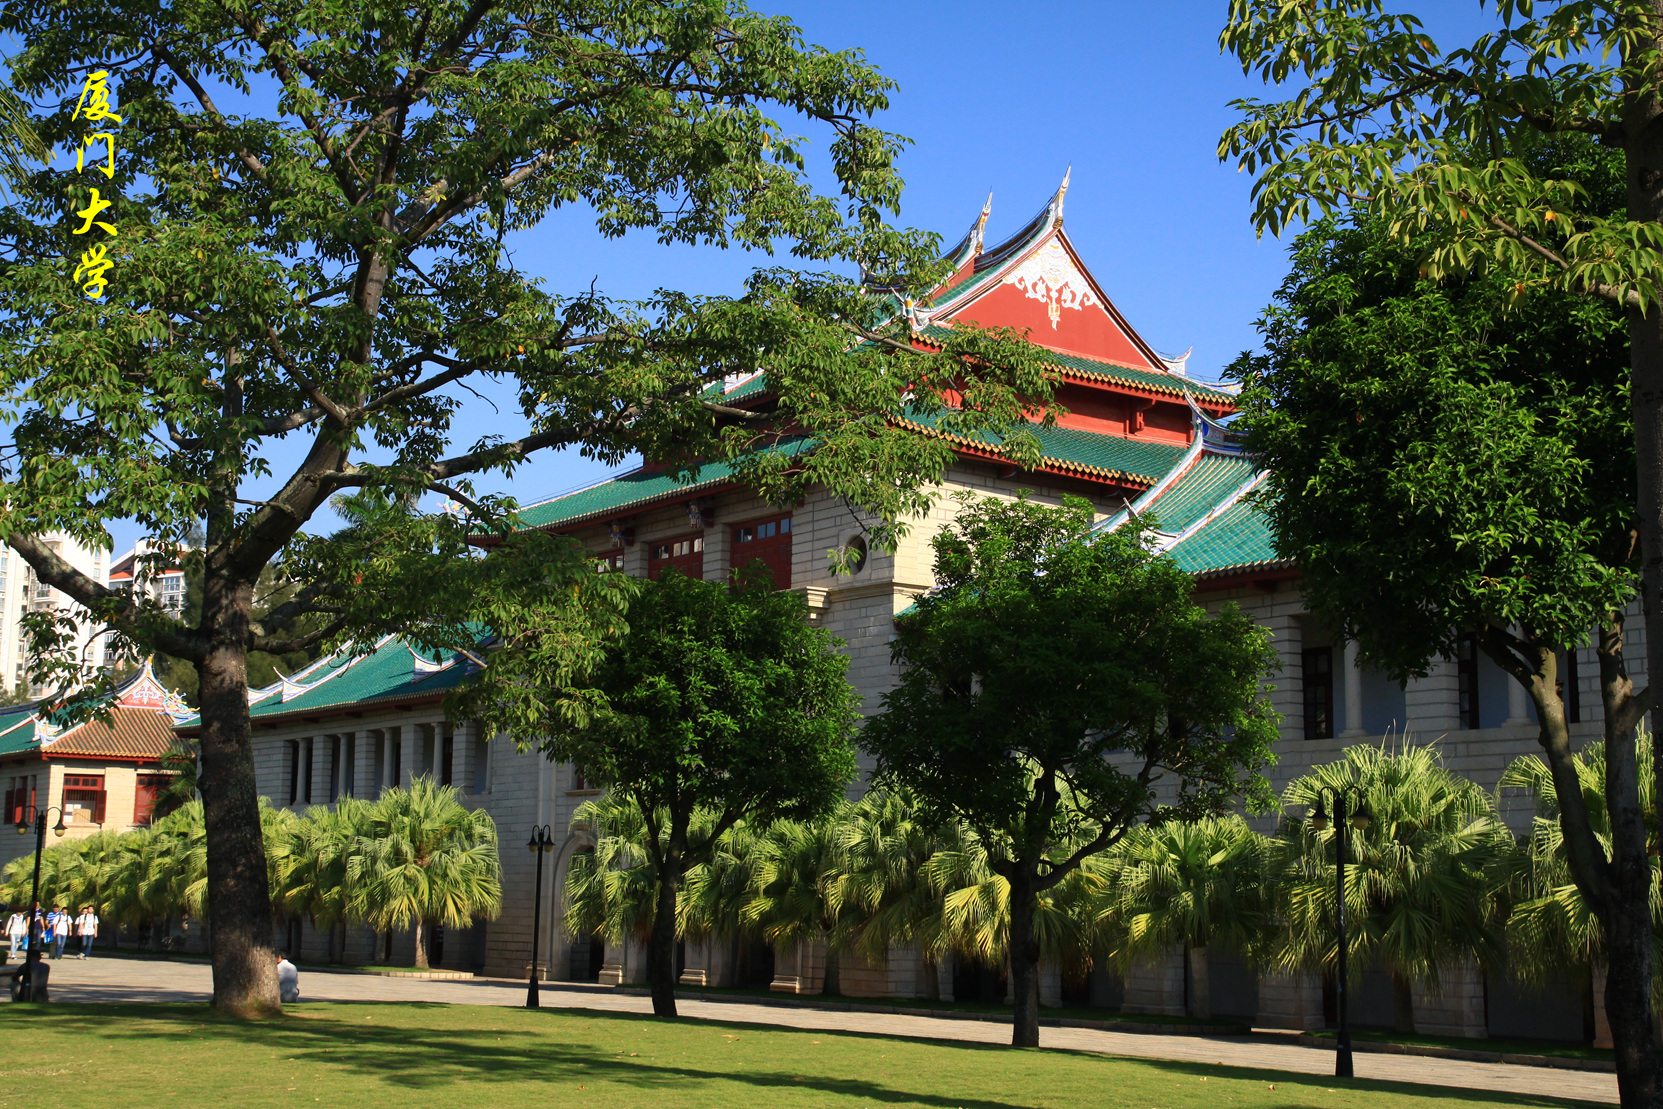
[854,552]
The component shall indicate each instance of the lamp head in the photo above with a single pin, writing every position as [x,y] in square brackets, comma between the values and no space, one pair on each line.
[59,829]
[1361,819]
[22,827]
[531,844]
[1319,819]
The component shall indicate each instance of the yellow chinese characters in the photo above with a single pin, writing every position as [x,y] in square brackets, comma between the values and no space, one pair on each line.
[94,106]
[94,266]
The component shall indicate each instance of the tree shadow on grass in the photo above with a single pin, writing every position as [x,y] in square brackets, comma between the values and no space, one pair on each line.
[424,1057]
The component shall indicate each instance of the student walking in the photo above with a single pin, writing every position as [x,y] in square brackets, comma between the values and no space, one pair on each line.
[17,931]
[62,923]
[86,927]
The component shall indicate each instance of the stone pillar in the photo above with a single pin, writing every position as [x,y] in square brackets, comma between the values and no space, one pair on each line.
[1290,1001]
[1432,705]
[709,963]
[462,756]
[322,748]
[1353,673]
[1156,986]
[1518,703]
[635,556]
[1050,983]
[1602,1023]
[363,783]
[388,740]
[718,547]
[1199,1000]
[1287,639]
[802,970]
[1455,1007]
[944,976]
[625,967]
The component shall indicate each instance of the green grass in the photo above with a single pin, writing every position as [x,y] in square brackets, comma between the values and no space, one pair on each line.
[365,1056]
[719,993]
[1557,1048]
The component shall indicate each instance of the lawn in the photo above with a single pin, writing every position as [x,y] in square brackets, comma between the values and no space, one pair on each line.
[365,1056]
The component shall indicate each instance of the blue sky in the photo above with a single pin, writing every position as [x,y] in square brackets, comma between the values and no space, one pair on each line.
[1004,97]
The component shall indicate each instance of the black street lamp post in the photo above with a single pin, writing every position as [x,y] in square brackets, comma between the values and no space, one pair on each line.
[541,843]
[32,960]
[1360,821]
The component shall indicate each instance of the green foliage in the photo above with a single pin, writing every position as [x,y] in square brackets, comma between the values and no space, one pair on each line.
[713,698]
[412,855]
[1553,927]
[1426,881]
[1434,140]
[1054,673]
[1196,884]
[1442,456]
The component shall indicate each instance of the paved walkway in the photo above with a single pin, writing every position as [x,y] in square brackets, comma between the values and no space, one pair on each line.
[118,979]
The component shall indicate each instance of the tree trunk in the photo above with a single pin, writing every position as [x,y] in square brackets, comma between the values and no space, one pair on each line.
[661,943]
[239,900]
[1628,932]
[1024,962]
[1403,1005]
[421,944]
[832,983]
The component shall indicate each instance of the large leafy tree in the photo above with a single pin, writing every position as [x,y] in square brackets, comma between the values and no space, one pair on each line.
[312,204]
[1434,143]
[1055,675]
[1453,458]
[718,701]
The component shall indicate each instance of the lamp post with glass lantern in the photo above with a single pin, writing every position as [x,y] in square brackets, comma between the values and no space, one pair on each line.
[540,844]
[31,961]
[1359,820]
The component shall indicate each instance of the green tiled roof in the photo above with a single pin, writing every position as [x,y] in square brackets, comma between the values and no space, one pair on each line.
[1238,538]
[386,672]
[1153,381]
[636,490]
[1087,452]
[17,734]
[971,282]
[1212,478]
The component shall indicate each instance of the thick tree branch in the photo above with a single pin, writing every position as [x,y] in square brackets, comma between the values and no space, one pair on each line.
[118,610]
[254,165]
[1630,299]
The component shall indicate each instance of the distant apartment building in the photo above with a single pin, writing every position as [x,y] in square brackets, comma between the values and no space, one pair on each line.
[21,593]
[140,569]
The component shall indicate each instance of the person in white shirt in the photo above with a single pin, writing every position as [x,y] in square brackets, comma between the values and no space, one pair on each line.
[288,979]
[86,926]
[60,931]
[17,931]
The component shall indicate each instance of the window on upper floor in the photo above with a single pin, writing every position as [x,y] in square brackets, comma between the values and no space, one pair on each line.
[767,541]
[686,555]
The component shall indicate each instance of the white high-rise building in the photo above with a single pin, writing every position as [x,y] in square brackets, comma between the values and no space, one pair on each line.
[21,593]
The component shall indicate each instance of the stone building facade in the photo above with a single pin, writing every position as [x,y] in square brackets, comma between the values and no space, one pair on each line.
[1139,436]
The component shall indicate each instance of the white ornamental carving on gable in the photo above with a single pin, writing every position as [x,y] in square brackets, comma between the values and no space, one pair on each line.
[1050,275]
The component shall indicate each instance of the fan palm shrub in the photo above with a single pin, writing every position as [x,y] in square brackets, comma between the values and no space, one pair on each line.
[793,898]
[424,858]
[312,864]
[1195,884]
[1426,881]
[1552,929]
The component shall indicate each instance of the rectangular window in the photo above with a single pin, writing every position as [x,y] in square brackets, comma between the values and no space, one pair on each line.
[481,764]
[334,767]
[306,760]
[610,563]
[1318,680]
[83,799]
[349,766]
[150,789]
[685,555]
[1466,669]
[767,542]
[294,771]
[447,755]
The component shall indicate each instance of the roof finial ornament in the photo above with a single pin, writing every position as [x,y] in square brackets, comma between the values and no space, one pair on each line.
[981,226]
[1062,191]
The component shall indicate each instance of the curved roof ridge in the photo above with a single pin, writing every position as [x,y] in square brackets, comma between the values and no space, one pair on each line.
[1220,508]
[1150,495]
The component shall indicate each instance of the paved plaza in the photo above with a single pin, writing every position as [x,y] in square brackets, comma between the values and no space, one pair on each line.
[121,979]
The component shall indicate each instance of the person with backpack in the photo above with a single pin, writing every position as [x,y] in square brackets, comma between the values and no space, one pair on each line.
[86,927]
